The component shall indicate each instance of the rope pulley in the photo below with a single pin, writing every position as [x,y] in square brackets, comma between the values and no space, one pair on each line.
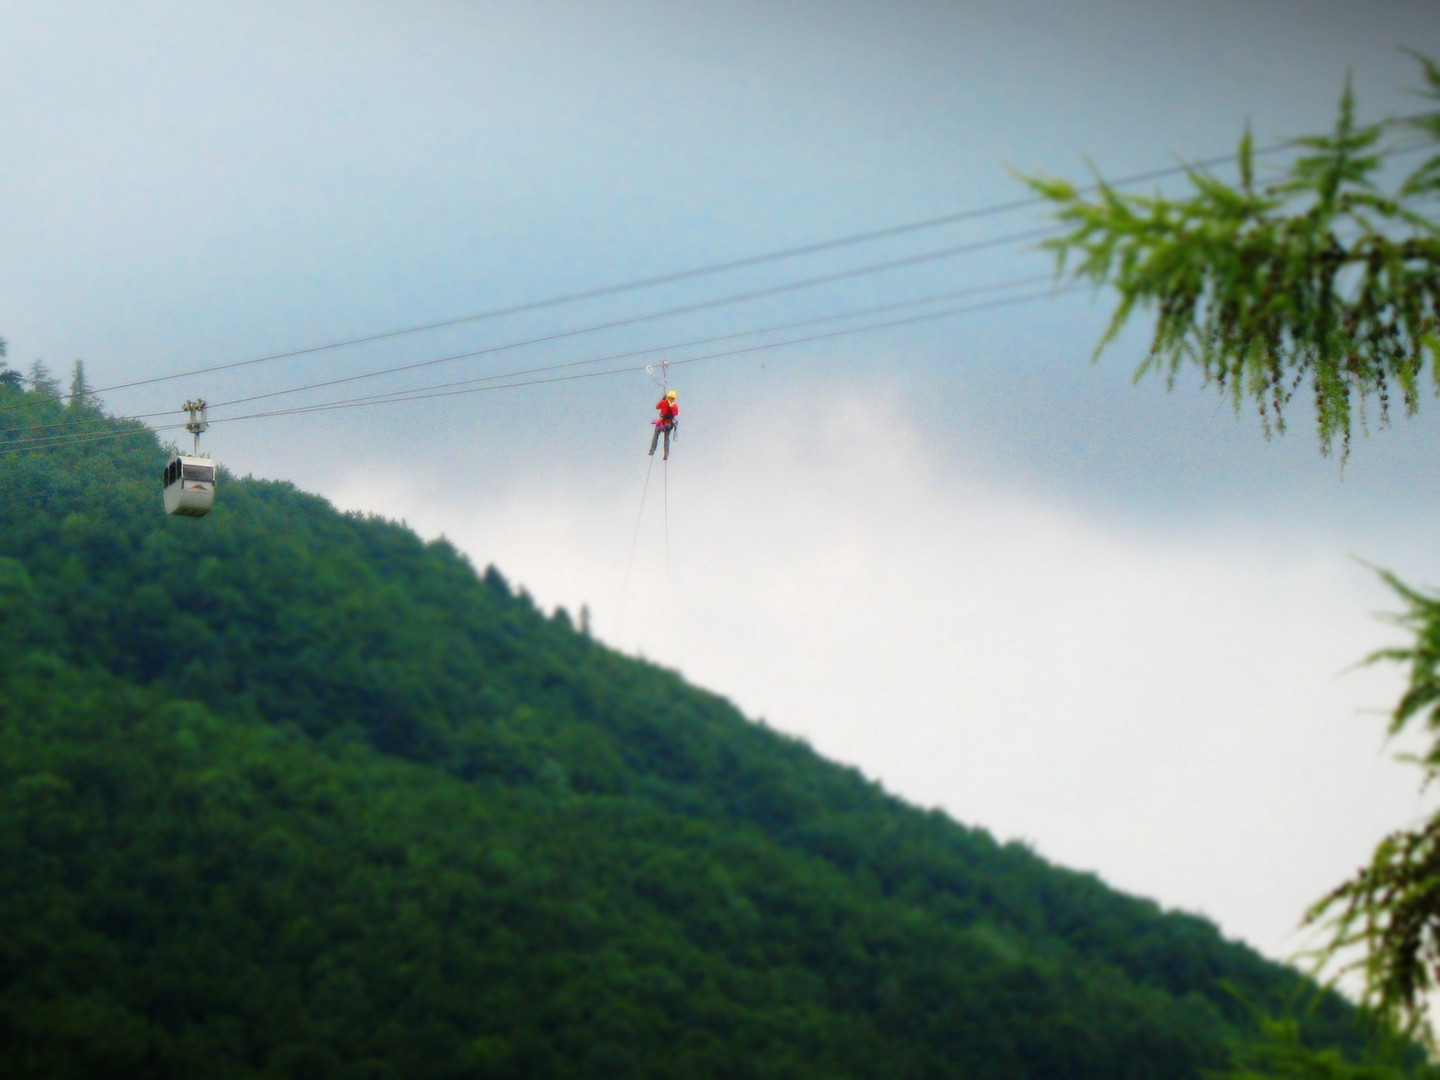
[198,421]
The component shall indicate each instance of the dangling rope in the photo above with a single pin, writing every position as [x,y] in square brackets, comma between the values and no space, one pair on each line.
[665,471]
[634,543]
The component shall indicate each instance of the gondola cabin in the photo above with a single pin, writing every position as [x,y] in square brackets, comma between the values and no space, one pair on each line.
[189,486]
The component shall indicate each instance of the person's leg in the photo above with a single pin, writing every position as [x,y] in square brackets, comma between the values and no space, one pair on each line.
[655,438]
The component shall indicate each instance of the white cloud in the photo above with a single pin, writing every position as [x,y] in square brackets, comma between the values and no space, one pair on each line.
[1167,708]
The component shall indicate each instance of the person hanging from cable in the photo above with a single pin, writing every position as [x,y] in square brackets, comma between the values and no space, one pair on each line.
[669,420]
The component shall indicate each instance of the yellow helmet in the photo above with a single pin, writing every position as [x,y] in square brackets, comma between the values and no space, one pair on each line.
[670,394]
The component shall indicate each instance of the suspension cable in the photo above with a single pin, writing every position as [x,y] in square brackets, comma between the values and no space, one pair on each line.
[816,247]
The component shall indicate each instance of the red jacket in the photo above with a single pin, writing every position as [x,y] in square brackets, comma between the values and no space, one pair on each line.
[669,410]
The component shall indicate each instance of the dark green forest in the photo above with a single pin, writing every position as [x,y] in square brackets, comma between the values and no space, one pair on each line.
[286,792]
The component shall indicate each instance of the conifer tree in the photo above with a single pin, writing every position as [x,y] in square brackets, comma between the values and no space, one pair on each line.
[8,376]
[42,382]
[82,398]
[1322,278]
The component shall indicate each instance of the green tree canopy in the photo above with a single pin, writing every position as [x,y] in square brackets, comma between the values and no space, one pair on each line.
[294,793]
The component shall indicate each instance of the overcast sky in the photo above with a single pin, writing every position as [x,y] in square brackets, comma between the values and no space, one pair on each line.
[1111,622]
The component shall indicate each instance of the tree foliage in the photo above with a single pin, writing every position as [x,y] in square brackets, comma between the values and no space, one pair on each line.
[10,377]
[1320,276]
[1282,1053]
[1390,910]
[42,382]
[290,792]
[82,398]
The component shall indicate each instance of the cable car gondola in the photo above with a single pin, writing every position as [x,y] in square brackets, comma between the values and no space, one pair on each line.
[189,478]
[189,486]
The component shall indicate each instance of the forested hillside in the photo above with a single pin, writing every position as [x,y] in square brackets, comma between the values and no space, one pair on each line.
[290,792]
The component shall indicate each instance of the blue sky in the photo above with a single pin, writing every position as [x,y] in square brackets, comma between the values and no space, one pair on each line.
[998,578]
